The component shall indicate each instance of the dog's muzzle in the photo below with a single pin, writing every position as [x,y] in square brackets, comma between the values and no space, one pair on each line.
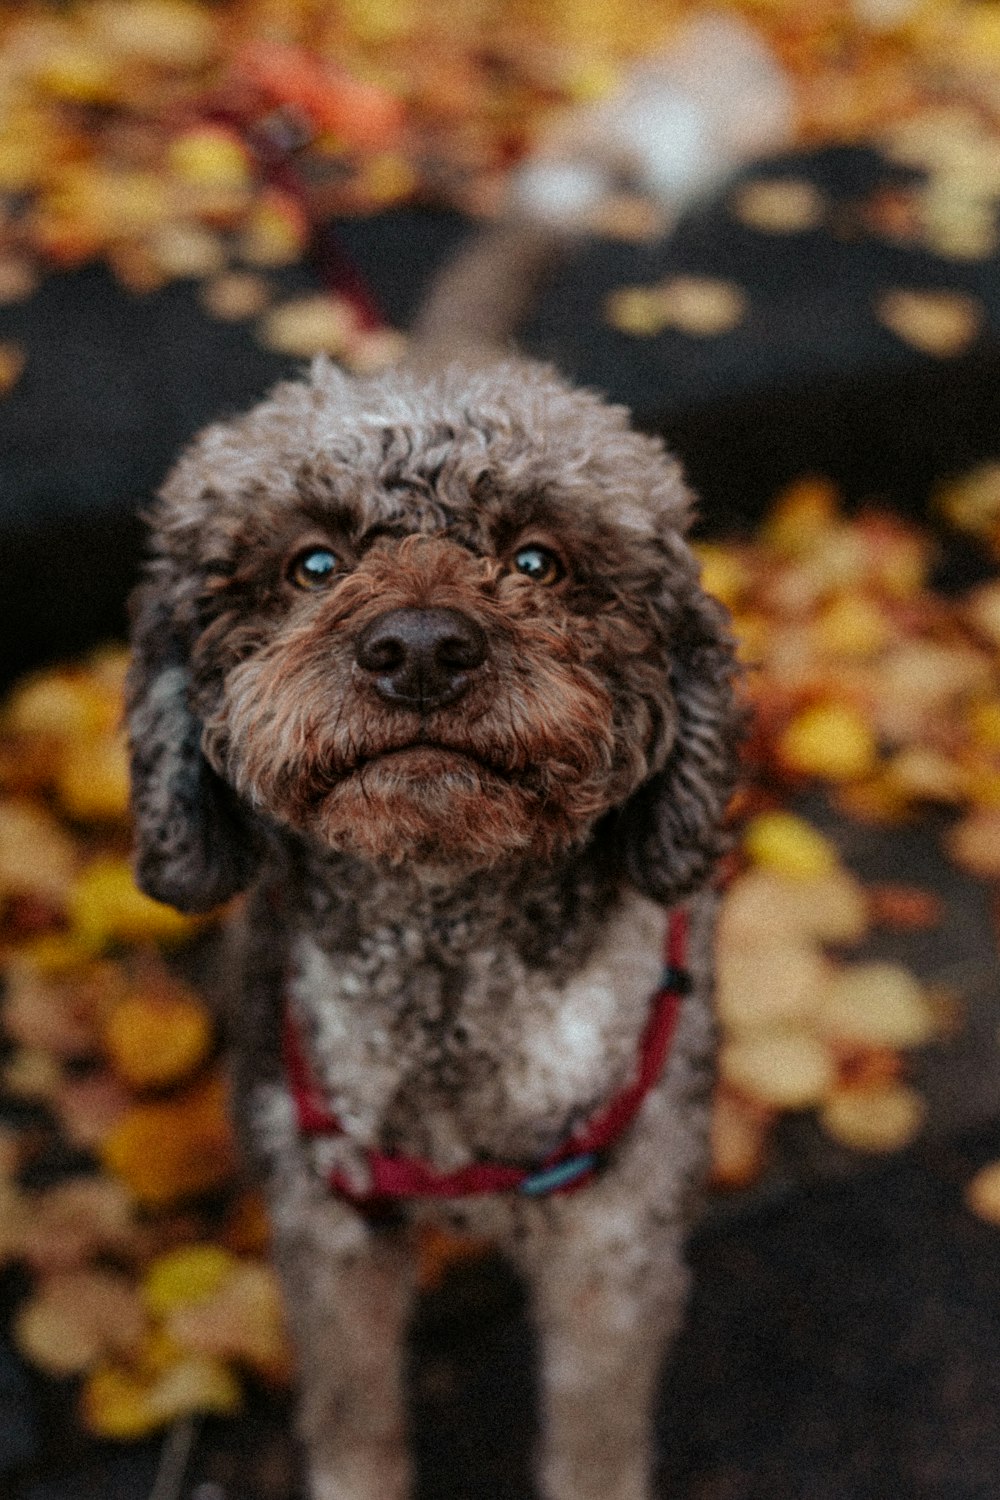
[421,659]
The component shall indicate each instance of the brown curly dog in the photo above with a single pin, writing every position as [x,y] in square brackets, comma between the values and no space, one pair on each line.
[423,665]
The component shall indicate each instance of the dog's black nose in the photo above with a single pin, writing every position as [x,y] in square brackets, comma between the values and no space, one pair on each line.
[421,658]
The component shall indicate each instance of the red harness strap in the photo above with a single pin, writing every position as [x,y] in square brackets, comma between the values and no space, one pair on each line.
[569,1166]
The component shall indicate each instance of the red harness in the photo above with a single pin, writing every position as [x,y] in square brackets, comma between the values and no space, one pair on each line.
[570,1166]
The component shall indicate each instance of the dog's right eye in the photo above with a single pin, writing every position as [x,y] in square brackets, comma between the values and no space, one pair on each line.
[313,568]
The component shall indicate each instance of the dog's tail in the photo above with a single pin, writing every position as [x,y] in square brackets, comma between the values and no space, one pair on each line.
[478,301]
[679,124]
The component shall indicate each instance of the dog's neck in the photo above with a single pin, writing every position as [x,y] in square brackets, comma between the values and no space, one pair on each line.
[548,913]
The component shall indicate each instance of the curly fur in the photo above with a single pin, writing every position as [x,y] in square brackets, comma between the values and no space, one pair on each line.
[463,902]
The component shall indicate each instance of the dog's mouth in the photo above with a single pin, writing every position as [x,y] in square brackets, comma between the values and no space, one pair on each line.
[427,759]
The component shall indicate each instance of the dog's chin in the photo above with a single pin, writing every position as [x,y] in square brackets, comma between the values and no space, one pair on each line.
[431,806]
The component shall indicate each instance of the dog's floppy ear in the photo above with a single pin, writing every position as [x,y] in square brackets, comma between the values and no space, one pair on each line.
[672,830]
[193,846]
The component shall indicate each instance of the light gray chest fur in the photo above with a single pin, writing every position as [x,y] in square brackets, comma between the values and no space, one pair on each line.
[482,1056]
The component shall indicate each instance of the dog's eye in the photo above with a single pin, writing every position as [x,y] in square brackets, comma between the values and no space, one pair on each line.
[313,569]
[538,564]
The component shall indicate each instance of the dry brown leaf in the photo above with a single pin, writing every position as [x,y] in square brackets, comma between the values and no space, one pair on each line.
[785,1069]
[937,137]
[37,856]
[701,306]
[320,324]
[943,324]
[852,625]
[33,1074]
[369,351]
[974,843]
[905,907]
[696,305]
[92,779]
[627,216]
[831,909]
[764,988]
[56,1015]
[876,1005]
[636,310]
[235,295]
[877,1118]
[756,912]
[187,249]
[920,683]
[982,1193]
[136,268]
[740,1133]
[832,740]
[983,607]
[70,1223]
[243,1319]
[11,1151]
[12,361]
[157,1036]
[121,1403]
[77,1317]
[14,1212]
[763,909]
[972,501]
[18,278]
[927,775]
[88,1108]
[779,205]
[956,226]
[173,1148]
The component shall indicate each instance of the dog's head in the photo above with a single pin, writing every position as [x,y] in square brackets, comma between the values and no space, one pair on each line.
[450,622]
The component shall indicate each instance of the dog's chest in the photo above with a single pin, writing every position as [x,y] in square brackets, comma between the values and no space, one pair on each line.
[479,1054]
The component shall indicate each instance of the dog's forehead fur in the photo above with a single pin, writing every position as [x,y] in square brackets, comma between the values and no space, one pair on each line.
[506,442]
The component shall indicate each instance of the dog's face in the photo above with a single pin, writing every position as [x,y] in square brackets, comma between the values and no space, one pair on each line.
[449,624]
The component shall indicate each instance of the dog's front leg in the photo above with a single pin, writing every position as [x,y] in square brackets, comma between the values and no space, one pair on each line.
[348,1289]
[608,1298]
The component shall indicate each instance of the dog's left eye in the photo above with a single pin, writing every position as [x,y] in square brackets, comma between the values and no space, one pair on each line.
[313,569]
[538,564]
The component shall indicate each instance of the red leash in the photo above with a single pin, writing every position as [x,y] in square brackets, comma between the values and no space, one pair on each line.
[571,1165]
